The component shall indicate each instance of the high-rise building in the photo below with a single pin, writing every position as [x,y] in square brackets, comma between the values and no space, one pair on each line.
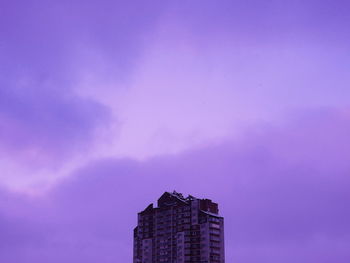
[179,230]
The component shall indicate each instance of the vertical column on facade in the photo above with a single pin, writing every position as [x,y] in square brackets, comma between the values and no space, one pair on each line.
[180,247]
[205,242]
[194,211]
[171,233]
[147,250]
[222,243]
[155,235]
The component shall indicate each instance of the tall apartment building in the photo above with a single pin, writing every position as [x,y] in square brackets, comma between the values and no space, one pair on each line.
[179,230]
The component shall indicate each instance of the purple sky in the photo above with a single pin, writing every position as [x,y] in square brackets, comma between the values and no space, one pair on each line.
[104,105]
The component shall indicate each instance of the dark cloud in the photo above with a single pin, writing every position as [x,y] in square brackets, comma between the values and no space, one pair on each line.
[47,125]
[45,47]
[283,192]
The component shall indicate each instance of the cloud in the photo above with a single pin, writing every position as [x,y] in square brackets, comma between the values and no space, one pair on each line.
[63,63]
[211,69]
[282,190]
[47,125]
[47,50]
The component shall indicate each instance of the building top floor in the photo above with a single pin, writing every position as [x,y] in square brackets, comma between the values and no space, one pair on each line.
[176,200]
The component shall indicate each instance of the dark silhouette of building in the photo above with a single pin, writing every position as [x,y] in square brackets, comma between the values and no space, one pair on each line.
[179,230]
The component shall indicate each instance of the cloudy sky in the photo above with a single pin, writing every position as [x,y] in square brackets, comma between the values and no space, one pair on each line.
[104,105]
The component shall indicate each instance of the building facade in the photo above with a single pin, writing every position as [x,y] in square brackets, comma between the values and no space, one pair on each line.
[179,230]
